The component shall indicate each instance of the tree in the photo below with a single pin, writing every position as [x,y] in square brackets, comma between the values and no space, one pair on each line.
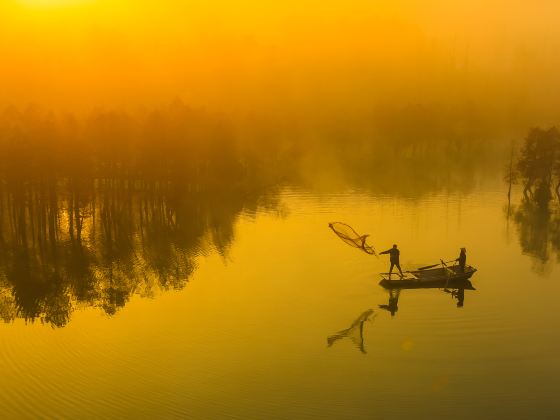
[538,161]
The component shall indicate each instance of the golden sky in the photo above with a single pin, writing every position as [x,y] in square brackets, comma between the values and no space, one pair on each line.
[277,55]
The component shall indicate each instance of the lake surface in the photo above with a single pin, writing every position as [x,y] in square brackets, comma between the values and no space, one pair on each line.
[236,324]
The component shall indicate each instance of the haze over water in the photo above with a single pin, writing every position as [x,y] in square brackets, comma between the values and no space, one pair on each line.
[168,173]
[234,324]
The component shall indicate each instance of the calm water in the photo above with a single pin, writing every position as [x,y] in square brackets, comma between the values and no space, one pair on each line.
[236,323]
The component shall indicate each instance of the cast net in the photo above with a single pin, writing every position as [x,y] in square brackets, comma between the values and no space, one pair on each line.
[351,237]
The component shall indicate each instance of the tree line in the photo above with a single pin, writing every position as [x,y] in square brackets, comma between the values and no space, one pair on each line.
[93,211]
[98,208]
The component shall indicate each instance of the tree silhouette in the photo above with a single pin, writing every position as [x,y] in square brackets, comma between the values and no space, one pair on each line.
[538,163]
[94,211]
[536,217]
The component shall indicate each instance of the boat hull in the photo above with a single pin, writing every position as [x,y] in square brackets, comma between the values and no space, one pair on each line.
[452,277]
[429,284]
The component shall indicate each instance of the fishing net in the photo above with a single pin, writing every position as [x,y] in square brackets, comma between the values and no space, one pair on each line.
[351,237]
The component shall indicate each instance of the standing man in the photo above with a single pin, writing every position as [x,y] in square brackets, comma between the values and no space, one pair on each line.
[394,254]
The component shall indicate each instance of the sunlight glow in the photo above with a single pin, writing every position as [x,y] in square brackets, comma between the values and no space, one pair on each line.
[43,4]
[310,57]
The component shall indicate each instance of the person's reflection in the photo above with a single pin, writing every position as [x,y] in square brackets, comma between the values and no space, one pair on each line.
[393,305]
[458,294]
[355,332]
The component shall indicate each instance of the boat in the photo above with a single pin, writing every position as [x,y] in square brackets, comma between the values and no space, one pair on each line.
[440,277]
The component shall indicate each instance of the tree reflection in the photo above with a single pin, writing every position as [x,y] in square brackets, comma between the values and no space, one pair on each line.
[537,216]
[100,246]
[538,227]
[95,210]
[92,213]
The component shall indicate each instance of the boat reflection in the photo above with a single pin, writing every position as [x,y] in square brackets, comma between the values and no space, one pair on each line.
[454,288]
[355,332]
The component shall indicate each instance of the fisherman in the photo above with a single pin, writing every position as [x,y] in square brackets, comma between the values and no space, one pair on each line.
[394,254]
[462,259]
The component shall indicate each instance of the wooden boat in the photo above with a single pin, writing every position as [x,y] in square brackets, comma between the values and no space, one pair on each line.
[446,276]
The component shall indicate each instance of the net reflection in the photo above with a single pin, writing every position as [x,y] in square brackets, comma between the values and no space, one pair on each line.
[355,332]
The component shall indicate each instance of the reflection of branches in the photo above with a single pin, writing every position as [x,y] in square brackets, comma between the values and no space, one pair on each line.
[355,332]
[61,245]
[538,227]
[538,216]
[96,210]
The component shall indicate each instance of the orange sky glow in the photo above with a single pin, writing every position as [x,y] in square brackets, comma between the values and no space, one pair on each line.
[274,56]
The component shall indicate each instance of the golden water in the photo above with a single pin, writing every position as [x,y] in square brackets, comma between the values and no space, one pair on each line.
[246,337]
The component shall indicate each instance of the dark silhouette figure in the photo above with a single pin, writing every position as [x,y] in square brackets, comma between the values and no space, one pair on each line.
[462,260]
[393,305]
[394,254]
[458,294]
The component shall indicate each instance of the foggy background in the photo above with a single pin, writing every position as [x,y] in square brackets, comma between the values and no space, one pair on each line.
[134,134]
[402,72]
